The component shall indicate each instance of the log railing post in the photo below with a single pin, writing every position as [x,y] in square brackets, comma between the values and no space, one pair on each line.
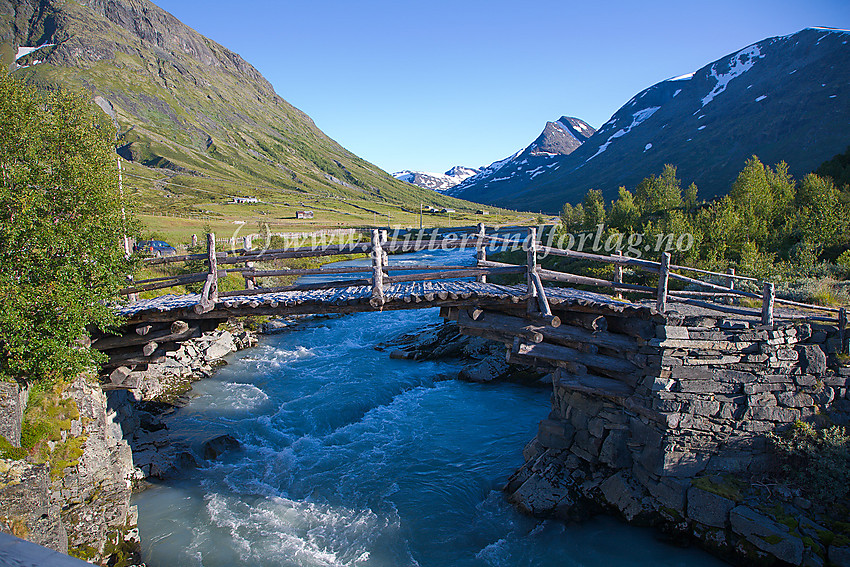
[531,268]
[618,274]
[842,333]
[377,300]
[385,256]
[133,297]
[663,282]
[768,298]
[542,302]
[250,281]
[213,264]
[730,283]
[481,251]
[209,295]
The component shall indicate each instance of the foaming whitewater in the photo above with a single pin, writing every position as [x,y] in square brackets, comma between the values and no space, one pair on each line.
[349,458]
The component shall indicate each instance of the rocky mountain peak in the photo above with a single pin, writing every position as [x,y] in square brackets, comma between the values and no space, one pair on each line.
[440,182]
[558,139]
[462,172]
[562,137]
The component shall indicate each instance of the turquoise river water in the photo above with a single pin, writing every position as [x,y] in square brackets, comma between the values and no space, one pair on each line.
[349,458]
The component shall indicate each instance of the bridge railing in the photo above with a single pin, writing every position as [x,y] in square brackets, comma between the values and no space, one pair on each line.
[665,271]
[377,274]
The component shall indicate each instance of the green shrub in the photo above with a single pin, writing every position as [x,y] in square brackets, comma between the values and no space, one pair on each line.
[815,460]
[60,228]
[7,451]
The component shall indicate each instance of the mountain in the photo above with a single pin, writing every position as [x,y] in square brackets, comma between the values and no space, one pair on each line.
[558,139]
[439,182]
[195,119]
[783,98]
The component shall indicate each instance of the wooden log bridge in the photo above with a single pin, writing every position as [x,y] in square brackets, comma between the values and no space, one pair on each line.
[527,317]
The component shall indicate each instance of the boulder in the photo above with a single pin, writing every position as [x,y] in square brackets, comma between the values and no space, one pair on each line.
[541,494]
[120,374]
[486,370]
[217,446]
[767,534]
[126,378]
[532,450]
[683,464]
[245,339]
[795,399]
[814,358]
[555,434]
[273,327]
[615,450]
[220,348]
[778,414]
[399,354]
[183,461]
[708,508]
[812,559]
[626,495]
[670,492]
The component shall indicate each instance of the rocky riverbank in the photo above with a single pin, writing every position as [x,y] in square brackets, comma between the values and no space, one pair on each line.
[108,438]
[164,386]
[76,498]
[484,360]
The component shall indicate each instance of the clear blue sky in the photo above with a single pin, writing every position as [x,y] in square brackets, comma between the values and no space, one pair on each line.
[426,85]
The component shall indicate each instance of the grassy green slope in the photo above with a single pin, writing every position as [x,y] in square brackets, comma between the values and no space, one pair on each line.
[198,123]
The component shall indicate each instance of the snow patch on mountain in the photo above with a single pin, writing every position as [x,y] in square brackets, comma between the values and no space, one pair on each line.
[685,77]
[497,165]
[638,118]
[739,64]
[22,51]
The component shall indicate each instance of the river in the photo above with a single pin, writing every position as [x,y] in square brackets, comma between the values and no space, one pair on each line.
[350,458]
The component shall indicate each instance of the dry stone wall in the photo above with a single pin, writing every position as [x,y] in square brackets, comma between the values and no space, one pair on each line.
[658,448]
[13,402]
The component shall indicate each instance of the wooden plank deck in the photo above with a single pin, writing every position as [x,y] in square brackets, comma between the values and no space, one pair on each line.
[352,299]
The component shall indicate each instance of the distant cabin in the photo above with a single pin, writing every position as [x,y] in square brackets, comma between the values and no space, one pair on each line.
[242,200]
[481,212]
[303,214]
